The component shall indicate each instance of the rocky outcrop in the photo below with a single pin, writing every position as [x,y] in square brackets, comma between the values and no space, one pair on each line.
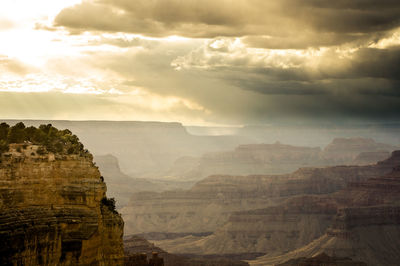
[274,158]
[371,157]
[370,235]
[277,158]
[144,149]
[323,259]
[54,210]
[346,150]
[272,230]
[140,252]
[251,159]
[366,226]
[208,205]
[119,185]
[301,218]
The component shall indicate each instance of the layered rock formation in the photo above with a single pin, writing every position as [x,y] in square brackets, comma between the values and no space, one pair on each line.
[259,159]
[300,219]
[208,205]
[366,226]
[144,149]
[371,157]
[346,150]
[369,234]
[279,158]
[138,251]
[323,259]
[121,186]
[272,230]
[54,210]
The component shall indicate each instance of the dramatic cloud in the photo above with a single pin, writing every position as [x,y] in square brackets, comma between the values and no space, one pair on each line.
[290,23]
[201,61]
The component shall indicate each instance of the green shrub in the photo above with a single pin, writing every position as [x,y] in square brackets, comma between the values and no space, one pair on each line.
[3,146]
[54,140]
[109,203]
[4,128]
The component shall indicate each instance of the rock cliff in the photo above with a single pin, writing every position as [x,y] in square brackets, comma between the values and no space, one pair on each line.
[139,250]
[209,203]
[121,186]
[54,210]
[304,207]
[346,150]
[278,158]
[366,226]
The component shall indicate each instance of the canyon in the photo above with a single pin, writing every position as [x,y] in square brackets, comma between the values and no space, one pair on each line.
[215,198]
[366,226]
[241,204]
[278,158]
[338,210]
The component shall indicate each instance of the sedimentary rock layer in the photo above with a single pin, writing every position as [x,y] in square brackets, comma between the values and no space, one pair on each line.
[51,211]
[208,205]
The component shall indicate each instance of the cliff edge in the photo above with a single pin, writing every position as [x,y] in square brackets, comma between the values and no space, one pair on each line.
[53,205]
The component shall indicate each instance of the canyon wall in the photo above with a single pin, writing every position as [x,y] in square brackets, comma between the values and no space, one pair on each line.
[277,158]
[366,226]
[209,203]
[54,210]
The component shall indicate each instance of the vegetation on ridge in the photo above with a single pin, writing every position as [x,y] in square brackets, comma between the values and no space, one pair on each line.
[109,203]
[52,139]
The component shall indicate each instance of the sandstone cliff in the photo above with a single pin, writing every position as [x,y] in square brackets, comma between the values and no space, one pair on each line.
[296,221]
[121,186]
[144,149]
[367,234]
[53,210]
[366,226]
[208,205]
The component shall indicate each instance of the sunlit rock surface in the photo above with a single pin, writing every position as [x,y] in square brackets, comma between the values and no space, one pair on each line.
[51,211]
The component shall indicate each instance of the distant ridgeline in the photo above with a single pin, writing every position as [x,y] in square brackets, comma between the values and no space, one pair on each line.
[50,138]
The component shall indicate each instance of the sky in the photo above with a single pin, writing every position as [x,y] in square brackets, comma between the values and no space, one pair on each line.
[201,62]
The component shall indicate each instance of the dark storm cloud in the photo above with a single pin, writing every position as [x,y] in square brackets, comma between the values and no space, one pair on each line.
[339,72]
[296,23]
[236,94]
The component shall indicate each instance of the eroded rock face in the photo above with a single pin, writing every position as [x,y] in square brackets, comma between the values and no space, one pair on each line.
[366,226]
[278,158]
[371,157]
[139,250]
[119,185]
[51,211]
[306,203]
[274,158]
[323,260]
[208,204]
[345,150]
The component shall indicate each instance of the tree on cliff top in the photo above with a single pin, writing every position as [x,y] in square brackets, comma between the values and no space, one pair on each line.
[54,140]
